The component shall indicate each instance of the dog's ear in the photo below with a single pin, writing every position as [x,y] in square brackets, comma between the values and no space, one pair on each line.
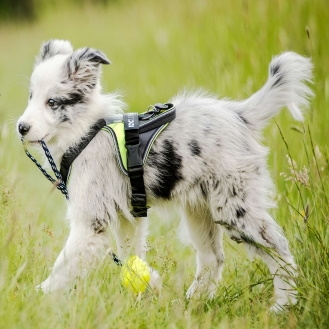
[52,48]
[83,65]
[85,55]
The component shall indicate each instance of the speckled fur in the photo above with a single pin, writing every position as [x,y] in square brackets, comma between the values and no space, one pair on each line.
[208,161]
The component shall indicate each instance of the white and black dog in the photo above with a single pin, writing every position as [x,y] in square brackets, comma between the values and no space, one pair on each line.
[208,161]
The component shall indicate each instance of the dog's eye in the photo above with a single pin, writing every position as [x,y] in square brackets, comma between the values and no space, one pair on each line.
[52,104]
[30,96]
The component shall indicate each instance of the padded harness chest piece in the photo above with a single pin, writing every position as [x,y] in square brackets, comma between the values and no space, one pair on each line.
[138,132]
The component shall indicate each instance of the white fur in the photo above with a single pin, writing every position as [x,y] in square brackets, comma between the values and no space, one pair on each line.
[208,161]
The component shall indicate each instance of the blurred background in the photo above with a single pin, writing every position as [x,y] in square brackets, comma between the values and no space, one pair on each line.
[158,48]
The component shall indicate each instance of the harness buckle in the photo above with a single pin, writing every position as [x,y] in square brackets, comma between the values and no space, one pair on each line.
[135,159]
[138,202]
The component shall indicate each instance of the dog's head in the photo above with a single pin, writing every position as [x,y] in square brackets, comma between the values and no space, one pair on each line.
[63,84]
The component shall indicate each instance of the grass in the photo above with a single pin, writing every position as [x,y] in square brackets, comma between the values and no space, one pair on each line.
[157,48]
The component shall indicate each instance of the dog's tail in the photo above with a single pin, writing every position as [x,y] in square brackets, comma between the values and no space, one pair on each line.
[289,74]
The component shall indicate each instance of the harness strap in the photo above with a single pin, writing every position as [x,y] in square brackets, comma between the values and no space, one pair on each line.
[135,165]
[72,153]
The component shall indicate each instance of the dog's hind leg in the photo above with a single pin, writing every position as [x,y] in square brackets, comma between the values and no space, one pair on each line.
[266,241]
[82,250]
[207,239]
[262,236]
[131,240]
[283,269]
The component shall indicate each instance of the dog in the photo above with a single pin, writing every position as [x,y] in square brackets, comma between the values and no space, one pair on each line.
[209,162]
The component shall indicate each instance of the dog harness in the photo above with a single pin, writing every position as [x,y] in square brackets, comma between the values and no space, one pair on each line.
[134,135]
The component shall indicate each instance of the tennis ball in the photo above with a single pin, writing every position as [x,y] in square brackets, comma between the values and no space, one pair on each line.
[135,274]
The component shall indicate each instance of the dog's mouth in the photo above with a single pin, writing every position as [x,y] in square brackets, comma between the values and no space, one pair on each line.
[33,141]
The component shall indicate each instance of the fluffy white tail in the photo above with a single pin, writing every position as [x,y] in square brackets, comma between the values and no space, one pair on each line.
[289,74]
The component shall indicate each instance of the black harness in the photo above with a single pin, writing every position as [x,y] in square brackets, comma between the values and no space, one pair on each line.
[140,132]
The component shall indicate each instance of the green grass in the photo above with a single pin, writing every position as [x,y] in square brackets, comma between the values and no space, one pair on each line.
[157,48]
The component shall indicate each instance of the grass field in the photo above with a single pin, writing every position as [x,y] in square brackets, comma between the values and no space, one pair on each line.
[157,48]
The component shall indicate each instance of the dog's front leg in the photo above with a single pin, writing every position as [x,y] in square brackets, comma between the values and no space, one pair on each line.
[131,240]
[83,248]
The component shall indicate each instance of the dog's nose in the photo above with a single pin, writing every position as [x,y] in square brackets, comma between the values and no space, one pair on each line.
[23,128]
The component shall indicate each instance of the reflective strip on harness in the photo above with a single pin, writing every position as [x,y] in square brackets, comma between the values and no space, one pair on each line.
[117,131]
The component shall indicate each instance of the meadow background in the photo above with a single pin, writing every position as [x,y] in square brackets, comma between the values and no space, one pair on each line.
[157,48]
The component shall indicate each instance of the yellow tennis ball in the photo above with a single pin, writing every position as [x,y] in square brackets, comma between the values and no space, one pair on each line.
[135,274]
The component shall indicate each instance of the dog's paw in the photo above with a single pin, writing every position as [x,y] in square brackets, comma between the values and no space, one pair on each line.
[196,290]
[283,303]
[199,289]
[46,286]
[43,287]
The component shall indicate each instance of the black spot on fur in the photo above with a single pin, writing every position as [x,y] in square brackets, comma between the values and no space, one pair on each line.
[168,163]
[243,119]
[116,206]
[152,159]
[83,54]
[71,99]
[274,69]
[64,117]
[203,189]
[75,98]
[234,191]
[264,236]
[240,212]
[46,50]
[278,80]
[216,184]
[99,225]
[194,147]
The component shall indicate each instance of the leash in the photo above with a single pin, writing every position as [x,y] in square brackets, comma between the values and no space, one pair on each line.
[59,183]
[67,159]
